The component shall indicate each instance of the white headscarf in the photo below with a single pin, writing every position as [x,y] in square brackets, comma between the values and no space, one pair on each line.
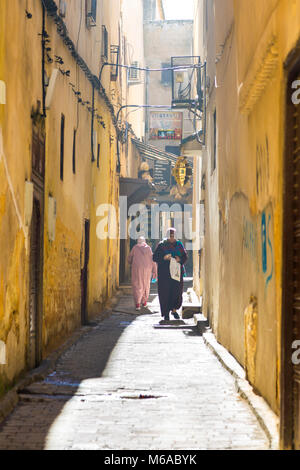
[141,241]
[170,229]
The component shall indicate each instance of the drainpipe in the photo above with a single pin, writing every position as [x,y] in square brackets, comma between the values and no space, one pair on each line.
[92,124]
[118,156]
[147,110]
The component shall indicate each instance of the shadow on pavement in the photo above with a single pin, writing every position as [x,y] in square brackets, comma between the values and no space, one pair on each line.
[32,424]
[41,403]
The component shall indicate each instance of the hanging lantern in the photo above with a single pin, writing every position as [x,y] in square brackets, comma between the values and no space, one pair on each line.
[182,171]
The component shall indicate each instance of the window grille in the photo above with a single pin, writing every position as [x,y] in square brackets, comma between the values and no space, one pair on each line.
[104,44]
[91,13]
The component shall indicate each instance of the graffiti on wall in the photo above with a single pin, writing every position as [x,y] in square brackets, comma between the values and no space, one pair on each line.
[267,258]
[262,167]
[260,234]
[249,236]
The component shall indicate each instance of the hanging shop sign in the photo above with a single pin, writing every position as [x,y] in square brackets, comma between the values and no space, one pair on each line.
[166,125]
[182,171]
[162,173]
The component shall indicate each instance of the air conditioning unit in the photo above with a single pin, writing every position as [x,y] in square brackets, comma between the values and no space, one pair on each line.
[62,8]
[91,13]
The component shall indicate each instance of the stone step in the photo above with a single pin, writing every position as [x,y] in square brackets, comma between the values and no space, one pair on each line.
[201,322]
[125,289]
[191,304]
[173,324]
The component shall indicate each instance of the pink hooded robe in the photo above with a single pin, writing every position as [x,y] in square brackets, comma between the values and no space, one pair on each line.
[142,269]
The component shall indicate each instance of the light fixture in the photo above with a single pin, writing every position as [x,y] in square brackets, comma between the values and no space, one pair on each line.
[46,79]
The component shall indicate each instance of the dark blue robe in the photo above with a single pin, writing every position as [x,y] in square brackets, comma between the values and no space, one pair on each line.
[169,290]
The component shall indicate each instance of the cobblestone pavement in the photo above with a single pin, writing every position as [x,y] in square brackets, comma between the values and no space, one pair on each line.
[128,385]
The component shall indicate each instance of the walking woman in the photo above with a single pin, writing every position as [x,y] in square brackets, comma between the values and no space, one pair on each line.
[169,289]
[142,270]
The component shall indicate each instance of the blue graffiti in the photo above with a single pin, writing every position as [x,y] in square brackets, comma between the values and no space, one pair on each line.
[249,237]
[270,245]
[264,242]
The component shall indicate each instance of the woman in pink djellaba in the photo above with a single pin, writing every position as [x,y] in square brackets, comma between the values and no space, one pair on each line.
[143,269]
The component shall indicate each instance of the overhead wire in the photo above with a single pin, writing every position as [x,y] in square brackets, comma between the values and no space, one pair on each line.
[77,67]
[176,67]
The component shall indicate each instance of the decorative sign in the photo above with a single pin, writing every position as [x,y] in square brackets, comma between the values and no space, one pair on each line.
[162,173]
[165,125]
[182,171]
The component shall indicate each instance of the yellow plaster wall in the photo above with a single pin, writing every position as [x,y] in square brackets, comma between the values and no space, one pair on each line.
[76,196]
[20,68]
[62,256]
[250,107]
[103,273]
[206,45]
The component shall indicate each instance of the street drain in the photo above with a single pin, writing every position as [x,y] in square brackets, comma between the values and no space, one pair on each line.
[142,397]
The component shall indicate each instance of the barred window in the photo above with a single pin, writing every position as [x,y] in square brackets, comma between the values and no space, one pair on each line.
[91,12]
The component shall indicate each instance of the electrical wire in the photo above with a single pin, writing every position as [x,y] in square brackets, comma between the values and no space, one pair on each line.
[177,67]
[160,106]
[146,69]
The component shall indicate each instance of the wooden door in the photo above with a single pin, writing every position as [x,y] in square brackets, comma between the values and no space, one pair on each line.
[84,273]
[36,246]
[290,378]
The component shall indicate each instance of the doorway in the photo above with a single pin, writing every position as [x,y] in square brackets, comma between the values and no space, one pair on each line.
[290,328]
[36,245]
[36,275]
[84,273]
[122,261]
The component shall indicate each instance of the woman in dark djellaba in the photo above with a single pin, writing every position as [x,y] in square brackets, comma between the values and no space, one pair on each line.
[169,290]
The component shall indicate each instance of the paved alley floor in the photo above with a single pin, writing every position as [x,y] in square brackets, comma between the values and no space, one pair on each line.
[127,385]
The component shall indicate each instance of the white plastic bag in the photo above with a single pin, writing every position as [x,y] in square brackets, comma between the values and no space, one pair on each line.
[175,269]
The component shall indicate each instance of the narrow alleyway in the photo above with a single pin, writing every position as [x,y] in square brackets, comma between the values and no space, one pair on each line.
[128,385]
